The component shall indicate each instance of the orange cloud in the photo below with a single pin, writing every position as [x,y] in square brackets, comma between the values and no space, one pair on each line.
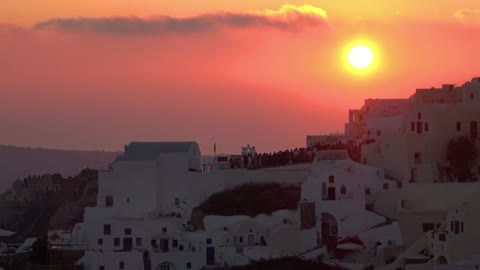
[289,11]
[468,16]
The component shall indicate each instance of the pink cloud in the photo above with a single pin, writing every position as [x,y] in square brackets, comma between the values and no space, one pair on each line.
[288,17]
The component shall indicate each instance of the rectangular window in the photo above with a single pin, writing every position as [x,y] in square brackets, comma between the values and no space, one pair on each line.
[209,241]
[164,245]
[121,265]
[241,239]
[128,231]
[426,127]
[419,116]
[164,229]
[461,227]
[154,243]
[412,127]
[418,158]
[100,241]
[189,265]
[379,133]
[419,128]
[109,201]
[457,227]
[385,186]
[367,191]
[175,243]
[474,129]
[428,227]
[101,267]
[331,179]
[107,229]
[116,242]
[138,241]
[459,126]
[442,237]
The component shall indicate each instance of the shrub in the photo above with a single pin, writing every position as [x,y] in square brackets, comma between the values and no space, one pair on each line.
[252,200]
[461,153]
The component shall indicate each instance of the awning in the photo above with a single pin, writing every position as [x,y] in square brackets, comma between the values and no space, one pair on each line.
[4,233]
[351,242]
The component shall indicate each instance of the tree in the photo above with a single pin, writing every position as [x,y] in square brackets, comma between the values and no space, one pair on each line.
[461,153]
[39,254]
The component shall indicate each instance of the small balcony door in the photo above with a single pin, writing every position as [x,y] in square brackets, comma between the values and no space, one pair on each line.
[128,243]
[474,129]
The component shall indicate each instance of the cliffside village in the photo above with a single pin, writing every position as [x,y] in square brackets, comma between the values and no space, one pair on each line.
[398,190]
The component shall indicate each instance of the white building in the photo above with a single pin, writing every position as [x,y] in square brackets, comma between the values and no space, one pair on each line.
[452,244]
[144,208]
[334,208]
[408,138]
[383,203]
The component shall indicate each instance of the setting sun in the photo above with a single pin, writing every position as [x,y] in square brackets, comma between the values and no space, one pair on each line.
[360,56]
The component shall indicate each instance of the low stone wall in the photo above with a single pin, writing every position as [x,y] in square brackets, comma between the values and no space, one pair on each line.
[14,261]
[53,267]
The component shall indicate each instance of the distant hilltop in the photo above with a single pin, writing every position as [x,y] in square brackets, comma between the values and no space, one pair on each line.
[20,162]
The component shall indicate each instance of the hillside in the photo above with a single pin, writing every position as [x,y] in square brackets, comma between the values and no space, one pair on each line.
[50,210]
[20,162]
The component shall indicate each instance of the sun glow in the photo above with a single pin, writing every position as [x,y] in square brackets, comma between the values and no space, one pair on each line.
[361,56]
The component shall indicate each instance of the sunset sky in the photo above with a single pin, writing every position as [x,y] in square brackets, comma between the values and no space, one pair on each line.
[90,74]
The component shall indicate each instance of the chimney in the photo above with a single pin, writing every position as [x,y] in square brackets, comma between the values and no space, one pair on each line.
[125,148]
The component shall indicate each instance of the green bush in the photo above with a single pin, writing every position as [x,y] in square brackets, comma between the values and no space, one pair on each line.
[461,153]
[252,200]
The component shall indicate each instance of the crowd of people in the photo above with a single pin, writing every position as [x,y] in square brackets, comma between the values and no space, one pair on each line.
[282,158]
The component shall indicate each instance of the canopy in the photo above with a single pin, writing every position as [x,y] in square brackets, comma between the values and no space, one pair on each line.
[4,233]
